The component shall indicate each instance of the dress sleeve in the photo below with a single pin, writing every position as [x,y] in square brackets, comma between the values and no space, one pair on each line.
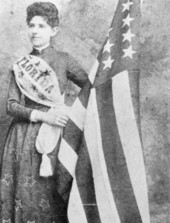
[14,106]
[75,73]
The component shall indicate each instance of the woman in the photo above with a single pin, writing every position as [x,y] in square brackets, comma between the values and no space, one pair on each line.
[36,101]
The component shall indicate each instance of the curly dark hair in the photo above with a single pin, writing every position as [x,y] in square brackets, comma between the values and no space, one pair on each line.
[45,9]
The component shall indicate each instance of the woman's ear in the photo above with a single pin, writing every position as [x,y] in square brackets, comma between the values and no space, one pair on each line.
[54,31]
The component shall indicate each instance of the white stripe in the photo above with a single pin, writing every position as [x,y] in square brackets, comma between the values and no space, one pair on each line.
[130,139]
[67,157]
[76,212]
[79,109]
[105,201]
[93,71]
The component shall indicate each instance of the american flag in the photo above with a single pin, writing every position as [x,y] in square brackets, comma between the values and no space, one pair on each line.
[101,173]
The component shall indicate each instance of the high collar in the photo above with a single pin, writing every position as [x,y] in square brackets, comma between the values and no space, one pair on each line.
[40,51]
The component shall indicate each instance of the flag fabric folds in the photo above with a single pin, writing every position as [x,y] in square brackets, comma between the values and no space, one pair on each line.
[101,173]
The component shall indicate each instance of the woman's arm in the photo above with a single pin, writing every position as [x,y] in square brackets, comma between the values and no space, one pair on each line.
[14,107]
[75,73]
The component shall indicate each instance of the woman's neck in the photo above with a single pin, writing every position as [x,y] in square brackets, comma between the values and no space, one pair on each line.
[42,48]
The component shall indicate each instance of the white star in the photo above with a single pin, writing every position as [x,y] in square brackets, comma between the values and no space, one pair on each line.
[127,5]
[127,20]
[128,36]
[44,204]
[128,52]
[30,181]
[8,179]
[107,46]
[108,63]
[18,204]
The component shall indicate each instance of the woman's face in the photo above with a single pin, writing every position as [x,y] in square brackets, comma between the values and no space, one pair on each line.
[40,32]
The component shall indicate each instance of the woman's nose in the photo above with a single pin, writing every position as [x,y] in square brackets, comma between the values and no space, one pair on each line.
[35,29]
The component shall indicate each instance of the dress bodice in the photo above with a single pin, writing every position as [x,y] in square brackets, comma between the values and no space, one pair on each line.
[65,69]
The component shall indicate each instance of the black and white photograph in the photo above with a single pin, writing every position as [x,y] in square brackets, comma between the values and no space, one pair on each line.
[84,111]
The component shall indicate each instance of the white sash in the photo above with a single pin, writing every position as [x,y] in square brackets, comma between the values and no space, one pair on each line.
[36,80]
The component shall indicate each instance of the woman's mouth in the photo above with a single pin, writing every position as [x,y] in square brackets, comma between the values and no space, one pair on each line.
[35,37]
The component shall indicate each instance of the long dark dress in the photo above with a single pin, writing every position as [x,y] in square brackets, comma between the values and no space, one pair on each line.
[25,196]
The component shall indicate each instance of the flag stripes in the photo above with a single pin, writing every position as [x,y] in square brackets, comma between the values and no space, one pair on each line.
[86,184]
[72,132]
[78,120]
[109,185]
[115,158]
[76,213]
[64,181]
[68,157]
[129,135]
[104,197]
[70,144]
[93,71]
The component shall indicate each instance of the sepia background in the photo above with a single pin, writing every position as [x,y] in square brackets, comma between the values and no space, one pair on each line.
[83,27]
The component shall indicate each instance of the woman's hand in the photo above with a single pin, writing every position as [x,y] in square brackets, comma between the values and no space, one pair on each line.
[55,116]
[55,119]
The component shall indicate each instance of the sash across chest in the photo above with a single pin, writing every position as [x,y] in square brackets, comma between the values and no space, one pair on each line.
[41,77]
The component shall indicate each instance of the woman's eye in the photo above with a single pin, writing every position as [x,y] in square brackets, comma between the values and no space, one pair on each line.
[41,26]
[31,25]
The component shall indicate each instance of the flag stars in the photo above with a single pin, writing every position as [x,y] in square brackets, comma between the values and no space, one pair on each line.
[8,179]
[107,46]
[128,36]
[108,63]
[127,20]
[128,52]
[127,5]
